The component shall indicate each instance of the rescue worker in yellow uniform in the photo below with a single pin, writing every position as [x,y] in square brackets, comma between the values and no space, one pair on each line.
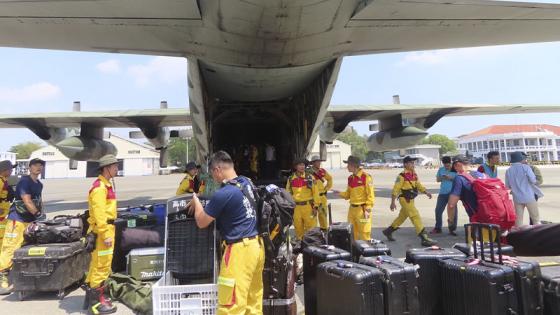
[102,202]
[406,188]
[233,207]
[361,194]
[305,192]
[25,209]
[187,185]
[254,161]
[324,183]
[6,195]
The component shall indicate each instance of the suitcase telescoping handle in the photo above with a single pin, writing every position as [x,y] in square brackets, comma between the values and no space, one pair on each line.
[476,231]
[330,213]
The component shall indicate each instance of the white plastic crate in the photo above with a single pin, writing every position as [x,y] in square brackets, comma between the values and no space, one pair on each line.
[170,298]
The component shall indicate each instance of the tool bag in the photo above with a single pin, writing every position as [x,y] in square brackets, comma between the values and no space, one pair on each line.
[134,294]
[58,230]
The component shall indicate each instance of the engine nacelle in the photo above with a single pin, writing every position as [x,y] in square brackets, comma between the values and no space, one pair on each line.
[396,139]
[85,149]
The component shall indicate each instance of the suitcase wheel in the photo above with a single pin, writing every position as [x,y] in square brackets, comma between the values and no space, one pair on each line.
[21,295]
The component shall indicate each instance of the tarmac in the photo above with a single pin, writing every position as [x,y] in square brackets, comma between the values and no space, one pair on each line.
[69,196]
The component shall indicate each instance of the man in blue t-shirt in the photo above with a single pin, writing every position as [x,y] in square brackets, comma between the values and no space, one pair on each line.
[490,168]
[462,190]
[445,176]
[240,286]
[28,201]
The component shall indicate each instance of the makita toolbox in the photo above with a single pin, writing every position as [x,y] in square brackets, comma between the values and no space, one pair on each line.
[48,267]
[146,263]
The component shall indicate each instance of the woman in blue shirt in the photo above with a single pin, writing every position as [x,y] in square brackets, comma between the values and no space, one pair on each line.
[445,176]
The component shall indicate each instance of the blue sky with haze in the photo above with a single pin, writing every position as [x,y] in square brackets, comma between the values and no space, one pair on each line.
[49,81]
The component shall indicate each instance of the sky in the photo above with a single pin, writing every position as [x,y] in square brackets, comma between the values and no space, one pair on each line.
[50,81]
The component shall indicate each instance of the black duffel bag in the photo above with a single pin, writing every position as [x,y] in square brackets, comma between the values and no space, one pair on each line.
[58,230]
[535,240]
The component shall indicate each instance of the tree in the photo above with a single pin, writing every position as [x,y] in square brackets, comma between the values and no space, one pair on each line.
[24,150]
[357,142]
[447,145]
[177,151]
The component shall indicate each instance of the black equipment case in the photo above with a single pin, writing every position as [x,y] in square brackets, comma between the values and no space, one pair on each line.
[369,249]
[551,282]
[400,285]
[48,268]
[429,280]
[341,235]
[312,257]
[476,286]
[349,288]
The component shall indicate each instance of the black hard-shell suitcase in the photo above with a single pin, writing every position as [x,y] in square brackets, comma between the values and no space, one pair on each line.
[341,235]
[48,268]
[349,288]
[400,285]
[429,280]
[474,286]
[369,249]
[528,286]
[312,257]
[469,249]
[551,285]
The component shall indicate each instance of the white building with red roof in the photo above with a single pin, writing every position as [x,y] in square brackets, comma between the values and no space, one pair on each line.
[541,142]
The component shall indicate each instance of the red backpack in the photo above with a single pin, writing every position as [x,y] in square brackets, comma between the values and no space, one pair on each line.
[493,202]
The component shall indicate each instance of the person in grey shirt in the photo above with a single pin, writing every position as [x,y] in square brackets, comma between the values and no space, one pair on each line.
[522,182]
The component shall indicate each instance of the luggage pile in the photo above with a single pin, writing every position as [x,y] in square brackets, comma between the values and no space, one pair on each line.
[54,259]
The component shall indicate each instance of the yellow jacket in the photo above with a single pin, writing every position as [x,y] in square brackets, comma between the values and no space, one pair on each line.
[4,203]
[186,186]
[102,206]
[360,189]
[298,186]
[323,179]
[407,180]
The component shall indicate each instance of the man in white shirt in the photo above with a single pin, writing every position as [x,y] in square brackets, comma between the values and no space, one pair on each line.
[522,182]
[270,161]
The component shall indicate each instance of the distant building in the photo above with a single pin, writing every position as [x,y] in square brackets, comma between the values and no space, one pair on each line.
[134,160]
[425,153]
[8,156]
[541,142]
[337,152]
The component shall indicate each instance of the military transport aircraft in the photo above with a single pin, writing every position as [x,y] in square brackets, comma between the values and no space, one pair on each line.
[263,71]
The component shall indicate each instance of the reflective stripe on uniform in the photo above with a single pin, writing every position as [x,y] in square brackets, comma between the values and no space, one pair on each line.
[105,252]
[10,235]
[230,282]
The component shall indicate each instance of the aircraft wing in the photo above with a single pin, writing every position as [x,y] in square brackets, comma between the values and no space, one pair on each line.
[242,32]
[426,115]
[108,119]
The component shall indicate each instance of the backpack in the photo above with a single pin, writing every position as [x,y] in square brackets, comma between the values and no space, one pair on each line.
[274,207]
[493,202]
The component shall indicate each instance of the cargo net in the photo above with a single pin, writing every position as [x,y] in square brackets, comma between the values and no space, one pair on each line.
[190,251]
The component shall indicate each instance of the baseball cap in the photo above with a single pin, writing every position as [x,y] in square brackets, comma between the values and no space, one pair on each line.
[462,159]
[6,165]
[36,161]
[408,159]
[315,158]
[191,166]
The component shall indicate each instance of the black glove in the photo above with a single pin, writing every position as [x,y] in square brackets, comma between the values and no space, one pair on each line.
[90,241]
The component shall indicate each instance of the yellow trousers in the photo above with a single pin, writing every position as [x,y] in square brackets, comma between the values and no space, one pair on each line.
[362,226]
[323,213]
[304,220]
[4,211]
[408,210]
[13,240]
[240,284]
[101,259]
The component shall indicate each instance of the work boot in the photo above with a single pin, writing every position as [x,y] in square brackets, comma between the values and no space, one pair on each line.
[98,303]
[426,241]
[388,232]
[5,286]
[87,297]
